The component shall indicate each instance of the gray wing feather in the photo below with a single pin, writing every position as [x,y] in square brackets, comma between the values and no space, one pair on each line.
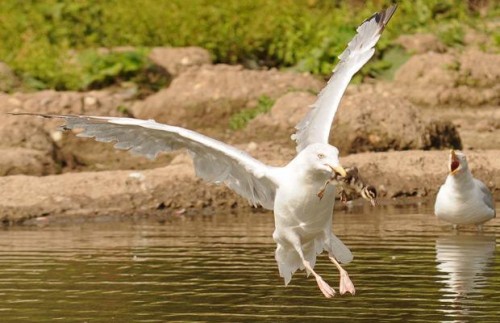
[214,161]
[487,196]
[315,126]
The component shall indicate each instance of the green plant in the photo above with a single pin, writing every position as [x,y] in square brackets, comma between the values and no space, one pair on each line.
[104,69]
[452,34]
[47,42]
[241,119]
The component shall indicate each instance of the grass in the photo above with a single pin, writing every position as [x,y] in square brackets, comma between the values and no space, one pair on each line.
[56,43]
[241,119]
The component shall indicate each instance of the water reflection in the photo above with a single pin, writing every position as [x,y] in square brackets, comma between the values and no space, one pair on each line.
[221,268]
[463,259]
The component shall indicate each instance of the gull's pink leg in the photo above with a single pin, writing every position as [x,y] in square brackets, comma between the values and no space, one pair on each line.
[323,189]
[343,196]
[294,239]
[345,284]
[323,286]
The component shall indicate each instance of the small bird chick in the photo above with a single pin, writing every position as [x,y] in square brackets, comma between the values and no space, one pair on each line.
[463,199]
[351,185]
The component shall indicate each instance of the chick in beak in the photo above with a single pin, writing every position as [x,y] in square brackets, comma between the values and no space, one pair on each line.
[350,183]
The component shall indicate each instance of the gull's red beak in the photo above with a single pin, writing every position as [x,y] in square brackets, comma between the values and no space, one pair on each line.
[454,163]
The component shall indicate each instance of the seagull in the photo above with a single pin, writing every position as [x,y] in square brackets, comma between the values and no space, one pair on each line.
[303,222]
[463,199]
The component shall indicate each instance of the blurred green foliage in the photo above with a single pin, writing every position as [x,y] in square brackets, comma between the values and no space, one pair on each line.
[241,119]
[54,43]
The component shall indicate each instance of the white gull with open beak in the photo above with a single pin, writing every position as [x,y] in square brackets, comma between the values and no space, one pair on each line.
[463,199]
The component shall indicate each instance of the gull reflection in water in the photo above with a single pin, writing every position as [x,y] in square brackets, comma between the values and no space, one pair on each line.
[463,260]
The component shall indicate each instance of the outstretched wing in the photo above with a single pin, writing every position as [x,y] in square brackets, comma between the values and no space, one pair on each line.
[214,161]
[315,127]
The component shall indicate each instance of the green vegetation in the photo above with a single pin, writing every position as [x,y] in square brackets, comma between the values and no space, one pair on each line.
[55,43]
[240,119]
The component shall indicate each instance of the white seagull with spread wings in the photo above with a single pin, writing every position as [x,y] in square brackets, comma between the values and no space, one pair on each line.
[303,221]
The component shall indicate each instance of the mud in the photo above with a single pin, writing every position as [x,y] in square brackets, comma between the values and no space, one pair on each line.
[397,133]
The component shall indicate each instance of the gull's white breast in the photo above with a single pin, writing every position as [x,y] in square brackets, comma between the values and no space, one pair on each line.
[297,206]
[462,205]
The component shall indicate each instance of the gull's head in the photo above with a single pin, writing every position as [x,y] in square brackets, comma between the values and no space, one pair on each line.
[458,162]
[324,159]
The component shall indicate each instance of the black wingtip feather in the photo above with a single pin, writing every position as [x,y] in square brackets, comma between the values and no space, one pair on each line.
[42,115]
[383,17]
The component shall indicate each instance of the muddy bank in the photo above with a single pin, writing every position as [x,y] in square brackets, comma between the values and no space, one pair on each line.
[174,190]
[396,132]
[374,116]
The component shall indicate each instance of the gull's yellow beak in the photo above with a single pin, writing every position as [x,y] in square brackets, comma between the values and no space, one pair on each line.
[339,170]
[454,162]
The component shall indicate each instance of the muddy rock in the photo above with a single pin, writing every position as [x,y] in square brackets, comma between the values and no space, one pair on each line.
[480,40]
[173,189]
[15,161]
[177,60]
[471,78]
[67,150]
[24,133]
[208,96]
[85,154]
[420,173]
[369,119]
[108,193]
[279,124]
[378,121]
[421,43]
[25,147]
[110,103]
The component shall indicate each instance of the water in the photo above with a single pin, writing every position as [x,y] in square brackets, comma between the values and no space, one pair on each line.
[221,268]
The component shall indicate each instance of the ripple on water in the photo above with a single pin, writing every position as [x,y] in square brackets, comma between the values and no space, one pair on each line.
[406,268]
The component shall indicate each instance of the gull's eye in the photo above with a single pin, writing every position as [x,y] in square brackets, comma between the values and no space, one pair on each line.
[321,156]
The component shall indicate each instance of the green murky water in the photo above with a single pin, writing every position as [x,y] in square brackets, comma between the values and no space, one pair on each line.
[221,268]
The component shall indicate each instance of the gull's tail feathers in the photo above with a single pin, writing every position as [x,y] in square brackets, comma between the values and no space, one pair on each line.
[289,260]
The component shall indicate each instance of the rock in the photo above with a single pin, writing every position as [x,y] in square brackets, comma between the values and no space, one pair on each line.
[371,120]
[208,96]
[421,43]
[106,193]
[110,103]
[15,161]
[471,78]
[368,119]
[479,39]
[175,187]
[65,148]
[22,132]
[279,124]
[177,60]
[428,69]
[8,79]
[420,173]
[26,147]
[441,134]
[86,154]
[479,69]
